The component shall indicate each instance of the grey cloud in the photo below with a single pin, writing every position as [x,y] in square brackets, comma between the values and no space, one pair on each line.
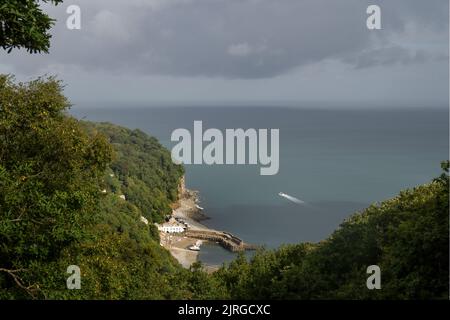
[231,38]
[387,56]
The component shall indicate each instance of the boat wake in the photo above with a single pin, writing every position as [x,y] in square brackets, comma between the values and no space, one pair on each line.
[291,198]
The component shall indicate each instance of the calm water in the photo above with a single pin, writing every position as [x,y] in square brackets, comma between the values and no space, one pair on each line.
[336,161]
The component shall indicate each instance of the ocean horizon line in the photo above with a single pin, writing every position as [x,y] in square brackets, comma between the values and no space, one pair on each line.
[212,105]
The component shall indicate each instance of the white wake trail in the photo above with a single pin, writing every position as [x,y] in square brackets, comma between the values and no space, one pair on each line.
[291,198]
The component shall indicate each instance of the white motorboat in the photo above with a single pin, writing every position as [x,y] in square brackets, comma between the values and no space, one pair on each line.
[291,198]
[196,246]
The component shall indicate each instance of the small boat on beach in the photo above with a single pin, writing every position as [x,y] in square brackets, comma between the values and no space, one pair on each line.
[198,207]
[196,246]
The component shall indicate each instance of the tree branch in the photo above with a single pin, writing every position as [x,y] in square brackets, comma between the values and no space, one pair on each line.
[31,290]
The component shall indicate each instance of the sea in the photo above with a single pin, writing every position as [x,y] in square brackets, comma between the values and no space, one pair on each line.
[337,161]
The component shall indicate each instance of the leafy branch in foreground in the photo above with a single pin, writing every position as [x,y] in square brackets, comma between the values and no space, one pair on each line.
[23,24]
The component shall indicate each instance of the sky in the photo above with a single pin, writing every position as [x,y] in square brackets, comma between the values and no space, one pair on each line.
[255,52]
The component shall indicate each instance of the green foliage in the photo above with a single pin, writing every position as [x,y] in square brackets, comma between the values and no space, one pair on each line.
[202,286]
[406,236]
[24,24]
[54,213]
[49,173]
[142,170]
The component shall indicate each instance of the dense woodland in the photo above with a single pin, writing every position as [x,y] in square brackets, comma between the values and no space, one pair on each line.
[60,185]
[61,182]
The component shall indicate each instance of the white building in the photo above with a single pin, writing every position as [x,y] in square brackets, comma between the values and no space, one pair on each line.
[171,227]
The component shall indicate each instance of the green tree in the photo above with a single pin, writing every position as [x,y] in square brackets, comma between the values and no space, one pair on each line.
[23,24]
[49,173]
[142,170]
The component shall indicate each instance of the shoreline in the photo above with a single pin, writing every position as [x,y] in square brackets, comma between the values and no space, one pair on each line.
[185,208]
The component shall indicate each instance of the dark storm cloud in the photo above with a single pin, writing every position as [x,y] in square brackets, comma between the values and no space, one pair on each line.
[234,38]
